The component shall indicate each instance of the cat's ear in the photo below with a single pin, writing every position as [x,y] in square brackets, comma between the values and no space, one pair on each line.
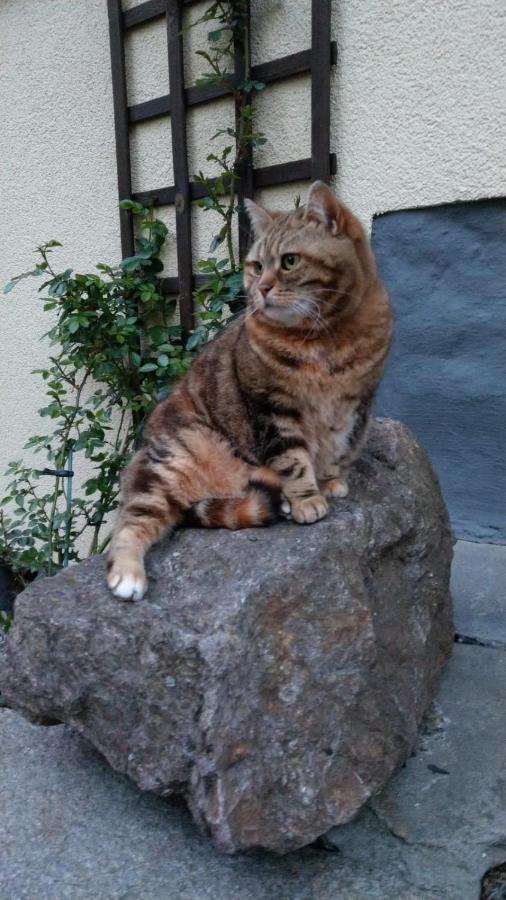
[323,205]
[259,217]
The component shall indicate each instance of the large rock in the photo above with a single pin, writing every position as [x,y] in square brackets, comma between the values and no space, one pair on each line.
[274,677]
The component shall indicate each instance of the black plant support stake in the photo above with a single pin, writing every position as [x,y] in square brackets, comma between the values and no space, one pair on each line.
[69,474]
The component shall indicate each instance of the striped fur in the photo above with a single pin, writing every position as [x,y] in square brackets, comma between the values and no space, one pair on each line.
[274,410]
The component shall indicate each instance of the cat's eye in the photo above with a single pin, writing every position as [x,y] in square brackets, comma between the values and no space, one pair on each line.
[257,266]
[289,260]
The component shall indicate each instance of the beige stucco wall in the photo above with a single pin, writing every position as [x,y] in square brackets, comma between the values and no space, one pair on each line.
[57,178]
[418,101]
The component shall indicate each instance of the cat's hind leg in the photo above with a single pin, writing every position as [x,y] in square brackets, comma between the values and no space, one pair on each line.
[148,511]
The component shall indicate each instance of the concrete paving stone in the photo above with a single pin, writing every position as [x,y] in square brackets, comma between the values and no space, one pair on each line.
[479,590]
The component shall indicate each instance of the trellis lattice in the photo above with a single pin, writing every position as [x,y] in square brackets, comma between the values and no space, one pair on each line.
[316,62]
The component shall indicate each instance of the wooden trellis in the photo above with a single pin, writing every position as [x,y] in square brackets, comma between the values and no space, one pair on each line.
[316,61]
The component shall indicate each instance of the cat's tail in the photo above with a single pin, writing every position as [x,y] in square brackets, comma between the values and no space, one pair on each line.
[259,505]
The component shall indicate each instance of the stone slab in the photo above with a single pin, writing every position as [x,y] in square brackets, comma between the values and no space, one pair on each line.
[479,591]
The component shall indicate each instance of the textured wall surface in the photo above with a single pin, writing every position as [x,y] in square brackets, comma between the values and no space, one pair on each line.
[444,269]
[419,102]
[416,119]
[57,177]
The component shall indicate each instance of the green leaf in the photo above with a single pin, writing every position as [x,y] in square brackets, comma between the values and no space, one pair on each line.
[137,208]
[131,263]
[196,338]
[13,281]
[148,367]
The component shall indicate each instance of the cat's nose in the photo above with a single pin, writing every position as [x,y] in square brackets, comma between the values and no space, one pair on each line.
[266,283]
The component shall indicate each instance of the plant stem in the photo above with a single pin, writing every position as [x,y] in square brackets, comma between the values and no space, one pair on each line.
[60,461]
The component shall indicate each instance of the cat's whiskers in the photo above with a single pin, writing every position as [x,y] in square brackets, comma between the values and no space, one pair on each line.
[338,294]
[250,311]
[314,314]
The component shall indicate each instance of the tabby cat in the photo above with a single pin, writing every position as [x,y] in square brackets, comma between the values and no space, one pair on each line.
[273,411]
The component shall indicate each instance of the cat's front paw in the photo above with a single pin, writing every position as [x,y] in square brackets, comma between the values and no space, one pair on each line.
[334,487]
[127,580]
[306,510]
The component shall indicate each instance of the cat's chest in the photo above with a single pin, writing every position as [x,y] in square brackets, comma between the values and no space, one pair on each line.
[329,417]
[318,364]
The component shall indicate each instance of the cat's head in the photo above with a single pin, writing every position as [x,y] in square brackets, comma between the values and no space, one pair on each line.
[308,267]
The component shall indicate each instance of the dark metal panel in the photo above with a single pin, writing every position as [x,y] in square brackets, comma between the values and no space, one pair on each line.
[443,267]
[121,122]
[182,199]
[320,89]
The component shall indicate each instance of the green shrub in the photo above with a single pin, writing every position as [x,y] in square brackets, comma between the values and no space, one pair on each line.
[115,352]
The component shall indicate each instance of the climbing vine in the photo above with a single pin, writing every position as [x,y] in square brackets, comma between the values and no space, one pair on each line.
[221,295]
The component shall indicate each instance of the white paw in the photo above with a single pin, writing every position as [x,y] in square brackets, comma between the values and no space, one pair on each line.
[286,509]
[126,585]
[306,510]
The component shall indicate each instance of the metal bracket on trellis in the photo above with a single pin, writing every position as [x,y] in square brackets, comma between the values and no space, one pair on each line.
[316,61]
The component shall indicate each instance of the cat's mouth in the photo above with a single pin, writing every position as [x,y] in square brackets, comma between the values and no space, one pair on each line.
[288,313]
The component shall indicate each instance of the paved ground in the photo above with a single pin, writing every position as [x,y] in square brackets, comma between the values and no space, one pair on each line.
[72,828]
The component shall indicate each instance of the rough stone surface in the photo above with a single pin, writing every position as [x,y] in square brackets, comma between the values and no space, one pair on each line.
[277,677]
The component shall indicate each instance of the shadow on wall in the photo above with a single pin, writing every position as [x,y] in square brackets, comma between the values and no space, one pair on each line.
[445,270]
